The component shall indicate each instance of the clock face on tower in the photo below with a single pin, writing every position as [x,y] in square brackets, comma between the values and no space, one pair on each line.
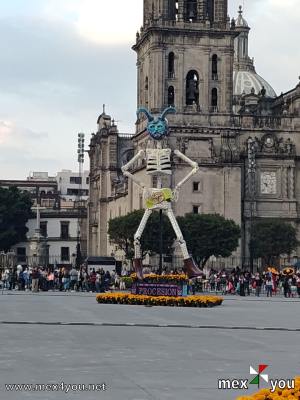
[268,183]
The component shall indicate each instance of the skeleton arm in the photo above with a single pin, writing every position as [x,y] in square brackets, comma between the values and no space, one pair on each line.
[193,164]
[126,167]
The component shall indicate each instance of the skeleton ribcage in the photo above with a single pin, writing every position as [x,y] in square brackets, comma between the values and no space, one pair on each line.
[159,161]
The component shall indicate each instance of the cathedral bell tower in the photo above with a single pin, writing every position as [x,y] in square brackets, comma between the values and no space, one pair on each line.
[185,55]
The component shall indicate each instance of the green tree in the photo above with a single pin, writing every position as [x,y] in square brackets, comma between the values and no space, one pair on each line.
[15,210]
[273,238]
[121,232]
[209,235]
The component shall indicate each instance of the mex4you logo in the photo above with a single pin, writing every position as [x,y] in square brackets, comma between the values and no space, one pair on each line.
[258,377]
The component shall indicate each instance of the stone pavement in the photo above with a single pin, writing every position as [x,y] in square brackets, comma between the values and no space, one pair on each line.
[142,353]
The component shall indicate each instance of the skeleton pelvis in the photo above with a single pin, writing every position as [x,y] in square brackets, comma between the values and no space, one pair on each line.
[156,197]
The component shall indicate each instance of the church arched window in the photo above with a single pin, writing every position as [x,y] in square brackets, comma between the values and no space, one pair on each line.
[214,67]
[192,88]
[214,100]
[210,10]
[191,10]
[171,65]
[171,96]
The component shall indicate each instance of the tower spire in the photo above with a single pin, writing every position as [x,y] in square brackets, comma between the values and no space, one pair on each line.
[241,42]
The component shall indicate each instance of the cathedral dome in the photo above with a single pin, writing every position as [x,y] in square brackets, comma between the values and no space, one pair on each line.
[245,78]
[244,81]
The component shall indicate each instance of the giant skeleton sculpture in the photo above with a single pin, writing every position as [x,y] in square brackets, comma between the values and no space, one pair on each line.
[158,161]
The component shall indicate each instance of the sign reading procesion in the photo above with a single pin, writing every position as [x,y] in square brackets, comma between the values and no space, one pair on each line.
[152,289]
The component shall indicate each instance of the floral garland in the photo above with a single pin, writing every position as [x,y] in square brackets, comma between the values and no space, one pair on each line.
[265,394]
[189,301]
[153,278]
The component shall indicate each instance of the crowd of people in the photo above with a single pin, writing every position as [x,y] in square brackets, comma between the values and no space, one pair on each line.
[61,279]
[244,283]
[235,282]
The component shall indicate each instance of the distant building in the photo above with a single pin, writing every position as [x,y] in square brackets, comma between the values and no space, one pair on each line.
[70,184]
[59,216]
[192,56]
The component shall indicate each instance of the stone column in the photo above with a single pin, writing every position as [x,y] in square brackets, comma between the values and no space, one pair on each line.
[227,79]
[205,87]
[201,10]
[180,79]
[285,189]
[158,79]
[181,10]
[292,183]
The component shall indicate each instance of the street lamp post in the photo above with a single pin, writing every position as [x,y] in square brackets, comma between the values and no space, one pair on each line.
[251,194]
[80,159]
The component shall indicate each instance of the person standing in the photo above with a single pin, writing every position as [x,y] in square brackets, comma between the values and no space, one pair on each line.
[258,284]
[247,283]
[50,280]
[242,285]
[298,284]
[269,286]
[93,281]
[66,279]
[26,278]
[5,278]
[73,279]
[287,287]
[98,281]
[35,276]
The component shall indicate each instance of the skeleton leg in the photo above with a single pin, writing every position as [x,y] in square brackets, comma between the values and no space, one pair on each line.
[137,262]
[178,233]
[190,267]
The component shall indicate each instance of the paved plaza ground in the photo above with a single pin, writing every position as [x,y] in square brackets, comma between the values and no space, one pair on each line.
[142,353]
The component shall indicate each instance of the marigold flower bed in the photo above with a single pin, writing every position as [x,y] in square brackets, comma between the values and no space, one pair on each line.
[265,394]
[189,301]
[153,278]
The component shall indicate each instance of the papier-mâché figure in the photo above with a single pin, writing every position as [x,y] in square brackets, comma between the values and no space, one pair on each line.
[158,161]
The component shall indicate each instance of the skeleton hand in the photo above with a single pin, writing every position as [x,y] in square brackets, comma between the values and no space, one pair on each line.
[175,193]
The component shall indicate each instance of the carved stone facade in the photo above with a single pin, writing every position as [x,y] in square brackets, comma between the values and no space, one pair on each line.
[189,54]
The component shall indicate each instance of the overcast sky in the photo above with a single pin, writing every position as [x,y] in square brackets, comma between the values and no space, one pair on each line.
[62,59]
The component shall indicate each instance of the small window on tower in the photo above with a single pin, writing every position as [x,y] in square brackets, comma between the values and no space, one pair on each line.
[191,10]
[171,65]
[192,88]
[172,9]
[210,10]
[214,67]
[171,96]
[214,100]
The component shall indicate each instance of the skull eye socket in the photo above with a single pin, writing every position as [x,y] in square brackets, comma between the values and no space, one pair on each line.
[160,127]
[151,127]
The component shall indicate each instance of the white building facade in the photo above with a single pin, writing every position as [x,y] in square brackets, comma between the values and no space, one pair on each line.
[58,224]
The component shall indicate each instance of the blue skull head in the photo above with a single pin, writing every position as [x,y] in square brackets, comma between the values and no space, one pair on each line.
[157,127]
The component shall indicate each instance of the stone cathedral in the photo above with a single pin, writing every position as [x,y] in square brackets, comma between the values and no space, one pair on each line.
[246,138]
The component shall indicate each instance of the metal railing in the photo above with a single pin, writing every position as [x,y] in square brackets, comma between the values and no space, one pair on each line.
[11,260]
